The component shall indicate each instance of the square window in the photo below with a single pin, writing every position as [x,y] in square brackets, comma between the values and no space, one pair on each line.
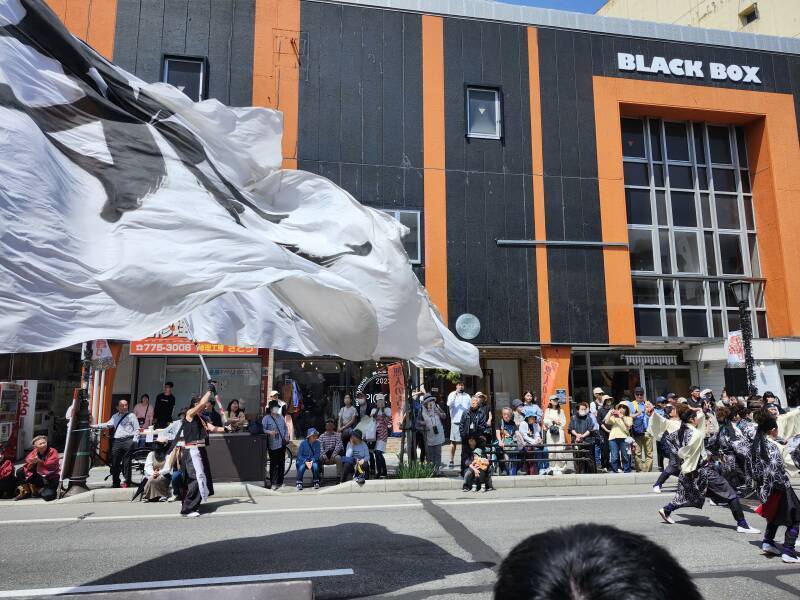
[645,291]
[638,206]
[648,322]
[749,14]
[412,242]
[635,173]
[681,177]
[724,180]
[640,242]
[483,113]
[633,138]
[692,293]
[187,74]
[695,324]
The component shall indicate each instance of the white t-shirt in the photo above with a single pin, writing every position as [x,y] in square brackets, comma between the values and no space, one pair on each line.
[458,404]
[346,413]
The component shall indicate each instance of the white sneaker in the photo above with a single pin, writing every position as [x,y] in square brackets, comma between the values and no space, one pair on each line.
[173,498]
[656,489]
[747,529]
[619,470]
[787,558]
[666,517]
[772,549]
[711,502]
[194,513]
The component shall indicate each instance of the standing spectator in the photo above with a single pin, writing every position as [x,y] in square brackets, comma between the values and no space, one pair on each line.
[619,437]
[331,448]
[165,404]
[554,423]
[355,462]
[641,410]
[442,404]
[308,455]
[506,436]
[529,437]
[348,417]
[478,473]
[581,427]
[598,400]
[7,479]
[431,425]
[602,410]
[125,428]
[487,408]
[40,472]
[458,402]
[236,417]
[144,412]
[278,438]
[529,400]
[382,416]
[695,399]
[414,418]
[472,425]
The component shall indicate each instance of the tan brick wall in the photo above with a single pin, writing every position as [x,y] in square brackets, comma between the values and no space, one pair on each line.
[529,366]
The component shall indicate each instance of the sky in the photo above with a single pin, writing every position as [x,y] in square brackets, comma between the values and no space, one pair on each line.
[587,6]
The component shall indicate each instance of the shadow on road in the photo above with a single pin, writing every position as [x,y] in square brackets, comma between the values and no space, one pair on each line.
[383,561]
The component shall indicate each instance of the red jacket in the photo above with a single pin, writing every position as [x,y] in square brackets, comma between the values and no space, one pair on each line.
[6,468]
[48,468]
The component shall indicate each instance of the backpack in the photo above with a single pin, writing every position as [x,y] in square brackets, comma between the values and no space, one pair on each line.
[638,426]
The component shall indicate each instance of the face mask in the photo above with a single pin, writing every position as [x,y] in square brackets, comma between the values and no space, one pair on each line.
[582,413]
[276,410]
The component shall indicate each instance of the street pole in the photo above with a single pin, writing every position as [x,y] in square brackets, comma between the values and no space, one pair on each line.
[747,339]
[77,456]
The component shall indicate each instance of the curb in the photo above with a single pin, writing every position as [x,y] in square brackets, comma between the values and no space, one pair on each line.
[221,490]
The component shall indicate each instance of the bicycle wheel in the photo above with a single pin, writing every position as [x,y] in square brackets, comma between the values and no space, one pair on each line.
[135,460]
[288,461]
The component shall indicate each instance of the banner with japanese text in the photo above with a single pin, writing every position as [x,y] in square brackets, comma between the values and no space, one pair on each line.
[549,371]
[397,393]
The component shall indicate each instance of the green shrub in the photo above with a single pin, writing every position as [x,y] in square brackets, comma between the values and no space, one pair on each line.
[415,470]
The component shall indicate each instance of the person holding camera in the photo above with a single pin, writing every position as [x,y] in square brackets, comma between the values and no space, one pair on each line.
[619,438]
[433,430]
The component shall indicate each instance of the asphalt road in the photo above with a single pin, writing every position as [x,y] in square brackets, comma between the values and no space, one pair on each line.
[411,546]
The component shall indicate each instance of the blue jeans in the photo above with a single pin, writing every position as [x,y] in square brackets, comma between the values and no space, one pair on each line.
[617,448]
[598,451]
[543,463]
[177,483]
[302,468]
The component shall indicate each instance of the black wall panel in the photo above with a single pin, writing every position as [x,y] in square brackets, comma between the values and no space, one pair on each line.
[221,30]
[489,186]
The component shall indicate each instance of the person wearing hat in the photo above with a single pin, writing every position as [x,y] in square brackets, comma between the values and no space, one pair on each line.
[458,402]
[595,404]
[506,441]
[641,410]
[554,422]
[478,473]
[40,471]
[619,423]
[602,411]
[382,417]
[331,447]
[517,409]
[473,425]
[355,462]
[308,456]
[430,424]
[529,437]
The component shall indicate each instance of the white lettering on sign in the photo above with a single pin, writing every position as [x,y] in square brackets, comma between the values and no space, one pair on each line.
[684,67]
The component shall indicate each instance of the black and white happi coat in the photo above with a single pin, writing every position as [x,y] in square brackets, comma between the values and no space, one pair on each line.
[767,465]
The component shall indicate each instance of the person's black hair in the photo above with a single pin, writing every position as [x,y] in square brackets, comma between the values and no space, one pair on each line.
[693,388]
[231,402]
[144,396]
[170,384]
[272,404]
[592,562]
[768,394]
[766,424]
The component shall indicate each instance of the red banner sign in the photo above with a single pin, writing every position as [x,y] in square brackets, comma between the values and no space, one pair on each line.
[174,341]
[397,393]
[549,371]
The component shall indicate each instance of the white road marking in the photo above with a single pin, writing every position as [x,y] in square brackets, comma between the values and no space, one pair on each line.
[149,585]
[348,508]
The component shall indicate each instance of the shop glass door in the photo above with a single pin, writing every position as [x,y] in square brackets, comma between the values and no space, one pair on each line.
[662,381]
[188,382]
[791,383]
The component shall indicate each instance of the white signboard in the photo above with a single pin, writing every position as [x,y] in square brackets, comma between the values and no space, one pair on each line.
[685,67]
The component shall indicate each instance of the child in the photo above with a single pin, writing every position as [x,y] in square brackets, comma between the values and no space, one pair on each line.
[478,470]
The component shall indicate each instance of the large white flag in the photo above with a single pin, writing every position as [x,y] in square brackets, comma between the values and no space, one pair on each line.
[124,206]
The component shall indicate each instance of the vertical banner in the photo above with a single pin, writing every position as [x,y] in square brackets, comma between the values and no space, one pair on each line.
[549,371]
[26,409]
[735,346]
[397,394]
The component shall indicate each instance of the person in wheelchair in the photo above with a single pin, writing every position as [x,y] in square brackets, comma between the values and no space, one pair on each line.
[355,462]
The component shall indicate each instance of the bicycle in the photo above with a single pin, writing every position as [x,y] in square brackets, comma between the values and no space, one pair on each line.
[288,461]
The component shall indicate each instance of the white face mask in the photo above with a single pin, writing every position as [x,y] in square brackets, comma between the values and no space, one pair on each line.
[276,410]
[582,413]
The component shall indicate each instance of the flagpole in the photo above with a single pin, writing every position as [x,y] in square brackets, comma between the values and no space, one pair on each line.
[208,376]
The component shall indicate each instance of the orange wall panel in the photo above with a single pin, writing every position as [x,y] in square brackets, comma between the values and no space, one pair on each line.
[93,21]
[561,355]
[435,182]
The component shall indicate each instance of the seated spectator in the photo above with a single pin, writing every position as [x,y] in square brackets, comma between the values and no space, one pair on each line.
[235,415]
[7,480]
[506,443]
[331,448]
[578,567]
[478,473]
[355,462]
[308,455]
[40,472]
[529,439]
[158,471]
[517,407]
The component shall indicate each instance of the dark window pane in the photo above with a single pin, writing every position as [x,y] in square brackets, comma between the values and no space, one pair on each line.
[734,324]
[683,209]
[672,323]
[699,147]
[655,139]
[755,265]
[663,242]
[687,258]
[724,180]
[716,321]
[645,291]
[745,182]
[727,211]
[705,209]
[711,259]
[638,206]
[719,144]
[681,177]
[641,248]
[186,75]
[411,240]
[748,212]
[694,323]
[730,254]
[633,138]
[658,175]
[483,117]
[761,321]
[677,142]
[661,207]
[648,321]
[692,293]
[741,146]
[669,292]
[636,174]
[730,299]
[702,178]
[713,288]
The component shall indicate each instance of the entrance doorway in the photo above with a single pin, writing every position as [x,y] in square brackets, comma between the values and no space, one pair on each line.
[791,383]
[188,382]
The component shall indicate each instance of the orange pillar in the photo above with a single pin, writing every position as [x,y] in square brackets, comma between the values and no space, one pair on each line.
[93,21]
[560,355]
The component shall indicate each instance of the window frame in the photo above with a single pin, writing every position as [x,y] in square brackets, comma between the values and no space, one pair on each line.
[498,103]
[396,212]
[201,60]
[748,12]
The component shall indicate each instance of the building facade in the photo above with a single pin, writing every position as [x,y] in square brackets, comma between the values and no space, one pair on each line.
[770,17]
[585,187]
